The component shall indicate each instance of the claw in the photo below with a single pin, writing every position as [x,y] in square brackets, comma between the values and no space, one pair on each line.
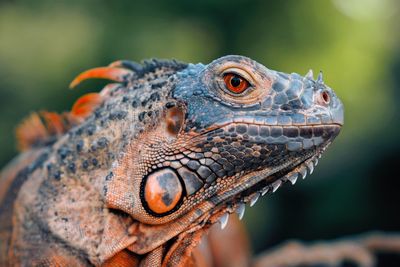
[111,73]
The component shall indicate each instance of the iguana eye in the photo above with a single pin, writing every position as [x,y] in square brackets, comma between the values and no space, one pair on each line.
[235,83]
[162,191]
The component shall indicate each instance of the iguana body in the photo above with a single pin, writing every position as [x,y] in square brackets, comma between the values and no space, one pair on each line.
[139,173]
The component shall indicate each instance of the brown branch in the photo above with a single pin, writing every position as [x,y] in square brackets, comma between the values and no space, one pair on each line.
[359,250]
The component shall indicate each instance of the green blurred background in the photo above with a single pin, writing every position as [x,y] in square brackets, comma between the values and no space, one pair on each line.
[356,188]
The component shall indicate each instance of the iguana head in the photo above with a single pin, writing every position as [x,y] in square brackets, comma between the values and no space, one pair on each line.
[211,138]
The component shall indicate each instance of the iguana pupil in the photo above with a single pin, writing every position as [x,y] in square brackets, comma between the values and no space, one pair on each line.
[235,81]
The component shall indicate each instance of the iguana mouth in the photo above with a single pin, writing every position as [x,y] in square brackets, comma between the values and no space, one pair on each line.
[259,184]
[230,193]
[252,186]
[248,187]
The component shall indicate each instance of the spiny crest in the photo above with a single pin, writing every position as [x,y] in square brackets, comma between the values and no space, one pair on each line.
[38,128]
[42,128]
[310,75]
[154,64]
[122,70]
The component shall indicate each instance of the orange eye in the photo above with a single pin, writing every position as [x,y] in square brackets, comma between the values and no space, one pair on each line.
[162,191]
[235,83]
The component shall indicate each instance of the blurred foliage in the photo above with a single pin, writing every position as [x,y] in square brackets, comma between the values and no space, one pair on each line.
[43,44]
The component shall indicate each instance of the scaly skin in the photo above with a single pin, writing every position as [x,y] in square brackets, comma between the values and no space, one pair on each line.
[168,153]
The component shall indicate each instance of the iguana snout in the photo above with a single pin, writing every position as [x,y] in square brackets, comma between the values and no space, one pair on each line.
[246,130]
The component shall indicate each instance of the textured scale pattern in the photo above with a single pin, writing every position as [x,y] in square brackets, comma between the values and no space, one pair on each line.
[139,172]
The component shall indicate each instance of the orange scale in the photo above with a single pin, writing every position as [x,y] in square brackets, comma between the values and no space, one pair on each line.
[163,191]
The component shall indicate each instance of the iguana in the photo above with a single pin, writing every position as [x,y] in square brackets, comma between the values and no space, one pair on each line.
[138,173]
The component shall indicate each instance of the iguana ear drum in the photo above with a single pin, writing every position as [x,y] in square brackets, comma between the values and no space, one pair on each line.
[162,192]
[174,120]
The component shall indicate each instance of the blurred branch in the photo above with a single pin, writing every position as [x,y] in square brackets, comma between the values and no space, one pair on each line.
[359,250]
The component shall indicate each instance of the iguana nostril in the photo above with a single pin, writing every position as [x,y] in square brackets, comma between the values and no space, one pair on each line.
[326,98]
[323,98]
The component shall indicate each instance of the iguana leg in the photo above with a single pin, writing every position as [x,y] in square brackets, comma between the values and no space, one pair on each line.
[153,258]
[232,241]
[219,248]
[180,254]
